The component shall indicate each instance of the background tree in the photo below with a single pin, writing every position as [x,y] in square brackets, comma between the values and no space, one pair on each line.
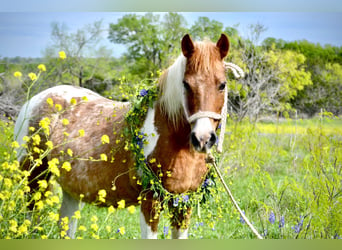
[151,43]
[206,28]
[272,78]
[85,57]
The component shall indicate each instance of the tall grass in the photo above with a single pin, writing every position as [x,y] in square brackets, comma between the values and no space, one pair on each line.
[286,177]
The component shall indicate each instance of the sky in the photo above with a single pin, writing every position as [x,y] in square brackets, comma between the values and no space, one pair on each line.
[27,34]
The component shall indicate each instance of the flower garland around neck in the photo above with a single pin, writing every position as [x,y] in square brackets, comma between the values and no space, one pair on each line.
[149,180]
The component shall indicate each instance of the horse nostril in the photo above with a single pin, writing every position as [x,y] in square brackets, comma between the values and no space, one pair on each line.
[195,142]
[203,143]
[212,139]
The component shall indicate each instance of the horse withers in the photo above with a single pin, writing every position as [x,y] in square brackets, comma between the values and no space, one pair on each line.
[179,129]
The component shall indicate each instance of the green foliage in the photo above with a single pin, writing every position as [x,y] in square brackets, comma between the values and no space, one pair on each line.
[150,42]
[291,169]
[292,72]
[206,28]
[325,92]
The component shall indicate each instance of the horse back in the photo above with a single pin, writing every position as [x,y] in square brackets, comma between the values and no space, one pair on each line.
[87,133]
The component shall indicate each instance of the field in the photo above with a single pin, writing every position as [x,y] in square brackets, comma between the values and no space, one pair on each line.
[285,175]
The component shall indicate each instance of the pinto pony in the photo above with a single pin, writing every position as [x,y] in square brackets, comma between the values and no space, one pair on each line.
[179,129]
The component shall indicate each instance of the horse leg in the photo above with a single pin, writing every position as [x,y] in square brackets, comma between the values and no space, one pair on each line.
[149,219]
[68,208]
[180,223]
[36,174]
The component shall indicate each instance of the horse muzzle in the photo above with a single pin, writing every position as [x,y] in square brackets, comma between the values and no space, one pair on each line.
[203,136]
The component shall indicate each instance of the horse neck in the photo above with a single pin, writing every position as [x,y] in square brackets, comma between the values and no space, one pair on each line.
[178,132]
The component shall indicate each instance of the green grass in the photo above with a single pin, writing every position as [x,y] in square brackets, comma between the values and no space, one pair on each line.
[289,168]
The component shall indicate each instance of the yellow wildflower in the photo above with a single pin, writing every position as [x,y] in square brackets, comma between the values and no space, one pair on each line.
[73,101]
[67,166]
[13,226]
[26,138]
[17,74]
[95,236]
[23,228]
[44,123]
[121,230]
[48,193]
[84,98]
[111,209]
[49,144]
[49,101]
[8,183]
[77,214]
[82,228]
[11,205]
[53,166]
[62,55]
[42,184]
[153,160]
[37,196]
[43,237]
[102,195]
[36,139]
[81,132]
[104,157]
[131,209]
[39,205]
[38,162]
[58,107]
[121,204]
[95,227]
[37,150]
[41,67]
[105,139]
[65,121]
[32,76]
[15,144]
[54,216]
[69,152]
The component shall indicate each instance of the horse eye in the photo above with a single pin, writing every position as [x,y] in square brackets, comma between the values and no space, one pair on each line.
[186,85]
[222,86]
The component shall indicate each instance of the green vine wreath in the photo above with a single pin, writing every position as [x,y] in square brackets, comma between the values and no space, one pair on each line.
[149,180]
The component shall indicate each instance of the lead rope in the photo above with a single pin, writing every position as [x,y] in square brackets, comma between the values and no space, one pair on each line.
[238,73]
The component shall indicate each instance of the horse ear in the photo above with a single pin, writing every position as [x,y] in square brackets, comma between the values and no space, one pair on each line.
[187,46]
[223,45]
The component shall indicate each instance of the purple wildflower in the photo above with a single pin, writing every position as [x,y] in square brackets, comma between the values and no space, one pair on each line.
[185,198]
[175,202]
[336,236]
[166,231]
[297,228]
[140,139]
[271,218]
[143,92]
[219,126]
[282,222]
[265,232]
[207,182]
[198,224]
